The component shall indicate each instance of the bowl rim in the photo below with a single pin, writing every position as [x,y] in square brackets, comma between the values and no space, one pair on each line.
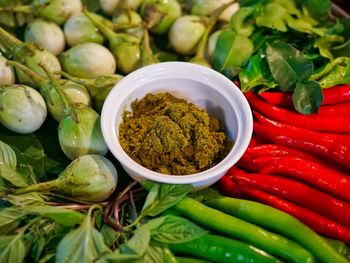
[126,161]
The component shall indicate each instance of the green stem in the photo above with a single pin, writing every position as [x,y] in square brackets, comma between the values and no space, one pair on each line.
[39,80]
[200,54]
[69,107]
[147,57]
[8,41]
[87,83]
[107,32]
[26,9]
[40,187]
[329,67]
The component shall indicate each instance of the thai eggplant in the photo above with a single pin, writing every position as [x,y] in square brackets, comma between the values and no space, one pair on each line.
[22,108]
[90,178]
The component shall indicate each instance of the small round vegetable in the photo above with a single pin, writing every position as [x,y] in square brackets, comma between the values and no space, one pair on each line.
[45,34]
[129,21]
[59,11]
[79,29]
[124,47]
[90,178]
[206,7]
[159,15]
[7,74]
[80,133]
[228,12]
[111,6]
[185,34]
[22,108]
[88,60]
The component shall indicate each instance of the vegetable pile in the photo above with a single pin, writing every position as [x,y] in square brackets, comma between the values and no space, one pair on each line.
[64,198]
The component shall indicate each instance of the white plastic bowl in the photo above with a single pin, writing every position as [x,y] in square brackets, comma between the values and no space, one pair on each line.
[202,86]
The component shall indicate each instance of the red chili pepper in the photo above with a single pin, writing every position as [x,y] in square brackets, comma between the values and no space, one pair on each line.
[330,147]
[340,109]
[277,98]
[230,188]
[273,123]
[249,163]
[298,193]
[318,223]
[334,95]
[316,174]
[265,150]
[314,122]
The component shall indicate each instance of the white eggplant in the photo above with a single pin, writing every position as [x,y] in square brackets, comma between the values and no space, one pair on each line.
[45,34]
[22,108]
[7,73]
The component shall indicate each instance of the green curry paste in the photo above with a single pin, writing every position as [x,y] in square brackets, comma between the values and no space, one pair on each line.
[171,136]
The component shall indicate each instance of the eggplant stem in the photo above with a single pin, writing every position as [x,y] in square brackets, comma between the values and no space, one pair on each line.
[8,41]
[39,80]
[26,9]
[109,33]
[200,54]
[40,187]
[69,107]
[87,83]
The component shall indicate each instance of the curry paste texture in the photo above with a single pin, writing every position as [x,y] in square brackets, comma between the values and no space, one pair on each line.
[171,136]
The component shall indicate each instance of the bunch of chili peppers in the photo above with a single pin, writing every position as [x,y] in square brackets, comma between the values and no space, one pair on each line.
[299,163]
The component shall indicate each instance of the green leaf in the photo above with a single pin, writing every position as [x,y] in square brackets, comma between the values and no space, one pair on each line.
[324,48]
[256,73]
[138,243]
[9,219]
[340,74]
[7,155]
[155,253]
[33,198]
[240,21]
[12,249]
[307,97]
[151,197]
[62,216]
[231,52]
[12,176]
[287,64]
[84,244]
[273,16]
[205,194]
[109,234]
[118,257]
[167,196]
[176,229]
[319,9]
[31,150]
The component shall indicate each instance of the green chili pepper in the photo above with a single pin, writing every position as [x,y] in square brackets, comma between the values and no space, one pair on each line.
[338,246]
[191,260]
[279,222]
[221,249]
[237,228]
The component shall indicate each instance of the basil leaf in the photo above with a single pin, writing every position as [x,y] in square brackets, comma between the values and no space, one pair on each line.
[256,73]
[307,97]
[164,197]
[138,243]
[84,244]
[7,156]
[62,216]
[12,249]
[155,253]
[118,257]
[12,176]
[176,229]
[340,74]
[31,150]
[9,219]
[231,52]
[33,198]
[151,197]
[109,234]
[205,195]
[287,64]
